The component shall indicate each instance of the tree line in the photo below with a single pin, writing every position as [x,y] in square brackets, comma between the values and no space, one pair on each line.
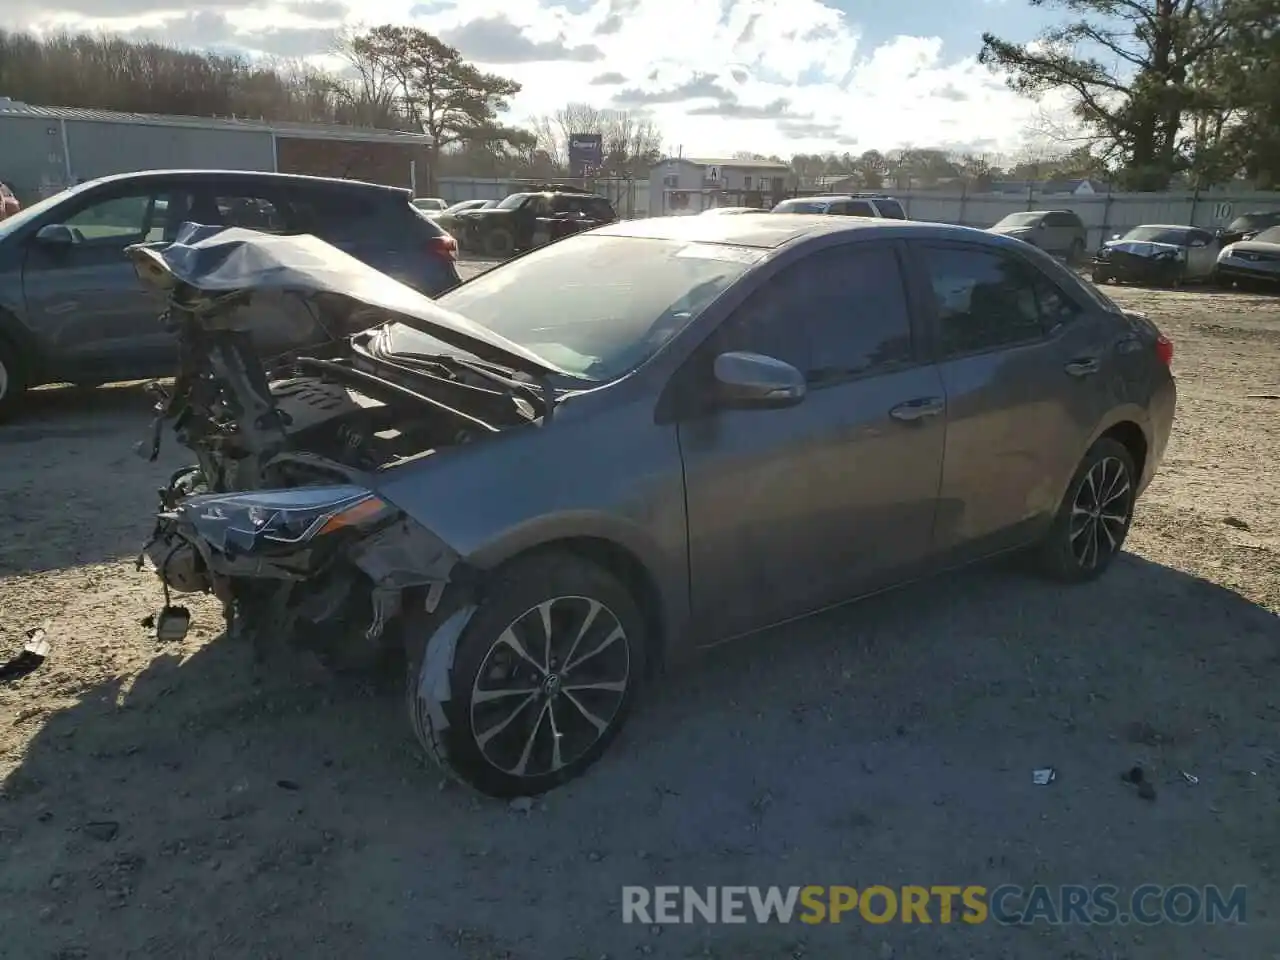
[1159,90]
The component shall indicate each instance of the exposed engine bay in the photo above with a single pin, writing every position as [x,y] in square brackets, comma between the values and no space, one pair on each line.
[279,517]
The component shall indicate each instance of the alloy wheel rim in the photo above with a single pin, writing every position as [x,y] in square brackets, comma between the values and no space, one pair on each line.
[1100,513]
[550,686]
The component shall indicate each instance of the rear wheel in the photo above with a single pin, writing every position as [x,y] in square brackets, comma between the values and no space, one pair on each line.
[12,379]
[1094,517]
[541,679]
[499,243]
[1100,276]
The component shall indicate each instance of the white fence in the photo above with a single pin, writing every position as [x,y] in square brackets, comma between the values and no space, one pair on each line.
[1103,214]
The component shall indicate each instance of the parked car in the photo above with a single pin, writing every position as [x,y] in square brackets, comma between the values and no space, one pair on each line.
[448,220]
[525,220]
[1251,263]
[845,205]
[1059,232]
[765,416]
[9,204]
[71,308]
[1249,225]
[431,206]
[1160,253]
[730,211]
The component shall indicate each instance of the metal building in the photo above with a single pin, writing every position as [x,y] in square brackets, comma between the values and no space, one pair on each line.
[45,149]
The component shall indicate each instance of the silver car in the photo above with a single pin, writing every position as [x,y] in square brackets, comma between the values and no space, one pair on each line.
[654,437]
[1251,263]
[1060,232]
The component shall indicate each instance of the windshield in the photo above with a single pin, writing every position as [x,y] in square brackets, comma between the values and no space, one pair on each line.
[596,307]
[465,205]
[1253,221]
[800,206]
[514,201]
[1268,236]
[1020,220]
[25,216]
[1173,235]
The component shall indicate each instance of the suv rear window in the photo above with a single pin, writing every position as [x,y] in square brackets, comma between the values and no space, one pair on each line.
[891,210]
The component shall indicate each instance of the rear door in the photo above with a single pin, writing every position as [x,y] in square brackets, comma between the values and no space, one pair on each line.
[86,302]
[1025,369]
[793,509]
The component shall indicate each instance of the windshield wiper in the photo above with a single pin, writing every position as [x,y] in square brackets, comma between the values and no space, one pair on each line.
[496,373]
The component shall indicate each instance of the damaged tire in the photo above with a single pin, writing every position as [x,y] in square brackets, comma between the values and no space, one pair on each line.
[1094,517]
[525,691]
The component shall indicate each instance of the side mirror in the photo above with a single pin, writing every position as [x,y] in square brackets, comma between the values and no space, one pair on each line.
[754,380]
[55,235]
[1219,233]
[1115,236]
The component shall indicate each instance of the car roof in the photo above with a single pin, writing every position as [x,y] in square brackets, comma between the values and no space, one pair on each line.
[213,176]
[770,230]
[1166,226]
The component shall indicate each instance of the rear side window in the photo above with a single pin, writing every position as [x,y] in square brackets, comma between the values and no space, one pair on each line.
[891,210]
[252,213]
[860,208]
[330,211]
[600,209]
[984,299]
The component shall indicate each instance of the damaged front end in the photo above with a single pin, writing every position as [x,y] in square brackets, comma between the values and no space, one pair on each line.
[280,517]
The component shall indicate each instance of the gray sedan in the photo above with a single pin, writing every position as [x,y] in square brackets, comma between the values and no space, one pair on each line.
[758,418]
[661,435]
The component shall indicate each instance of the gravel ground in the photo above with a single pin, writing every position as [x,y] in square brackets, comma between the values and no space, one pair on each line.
[181,802]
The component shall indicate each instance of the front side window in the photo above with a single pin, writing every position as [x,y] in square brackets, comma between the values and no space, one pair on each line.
[839,312]
[596,307]
[132,218]
[984,299]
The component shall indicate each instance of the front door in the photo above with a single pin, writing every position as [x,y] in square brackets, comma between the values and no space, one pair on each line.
[1022,365]
[793,509]
[1202,254]
[100,321]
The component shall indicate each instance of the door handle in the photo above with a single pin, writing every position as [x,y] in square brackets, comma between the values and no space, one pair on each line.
[917,409]
[1083,366]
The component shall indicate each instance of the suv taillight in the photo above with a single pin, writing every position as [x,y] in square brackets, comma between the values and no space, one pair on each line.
[443,246]
[1164,350]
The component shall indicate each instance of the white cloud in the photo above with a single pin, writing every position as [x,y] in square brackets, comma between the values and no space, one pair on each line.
[778,76]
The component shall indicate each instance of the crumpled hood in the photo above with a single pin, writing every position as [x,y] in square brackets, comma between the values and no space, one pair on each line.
[1141,248]
[222,260]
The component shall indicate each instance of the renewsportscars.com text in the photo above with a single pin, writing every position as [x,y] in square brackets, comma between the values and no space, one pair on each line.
[1006,905]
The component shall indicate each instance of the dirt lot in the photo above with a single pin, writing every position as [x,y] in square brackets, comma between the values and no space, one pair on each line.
[282,813]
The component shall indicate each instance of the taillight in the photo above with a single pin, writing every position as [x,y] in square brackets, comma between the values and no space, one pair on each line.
[1164,350]
[443,246]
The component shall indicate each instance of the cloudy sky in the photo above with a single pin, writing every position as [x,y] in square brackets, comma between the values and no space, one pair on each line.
[719,76]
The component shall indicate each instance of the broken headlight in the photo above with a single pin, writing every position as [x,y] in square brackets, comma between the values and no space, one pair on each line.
[281,519]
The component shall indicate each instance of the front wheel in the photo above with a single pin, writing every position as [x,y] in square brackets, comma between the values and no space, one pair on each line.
[1094,517]
[541,679]
[1100,276]
[12,379]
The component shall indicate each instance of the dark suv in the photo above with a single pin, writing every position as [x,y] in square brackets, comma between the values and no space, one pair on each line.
[71,306]
[1249,225]
[530,219]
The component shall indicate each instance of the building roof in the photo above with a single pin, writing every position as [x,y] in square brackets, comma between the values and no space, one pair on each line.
[738,164]
[310,131]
